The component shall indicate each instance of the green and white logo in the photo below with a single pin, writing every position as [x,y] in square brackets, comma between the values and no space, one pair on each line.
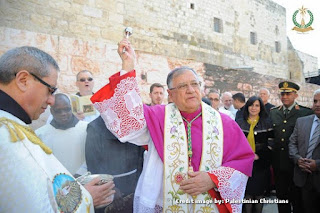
[302,27]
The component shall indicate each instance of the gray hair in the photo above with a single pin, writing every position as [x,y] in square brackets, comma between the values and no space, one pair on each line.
[214,91]
[316,92]
[27,58]
[268,92]
[82,71]
[178,71]
[226,94]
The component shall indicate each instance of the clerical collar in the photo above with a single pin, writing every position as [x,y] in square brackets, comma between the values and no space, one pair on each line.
[72,123]
[78,94]
[9,105]
[190,116]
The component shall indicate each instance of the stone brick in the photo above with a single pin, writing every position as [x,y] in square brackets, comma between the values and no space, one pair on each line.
[81,63]
[120,7]
[92,12]
[111,54]
[70,46]
[83,19]
[77,28]
[93,32]
[102,23]
[115,18]
[60,5]
[40,21]
[82,2]
[76,9]
[63,27]
[47,42]
[110,4]
[111,34]
[2,36]
[64,63]
[20,37]
[10,13]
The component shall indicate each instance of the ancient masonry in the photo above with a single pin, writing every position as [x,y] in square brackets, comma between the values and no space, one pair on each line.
[234,48]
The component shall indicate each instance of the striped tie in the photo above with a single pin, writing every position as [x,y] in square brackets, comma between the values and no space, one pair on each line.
[313,141]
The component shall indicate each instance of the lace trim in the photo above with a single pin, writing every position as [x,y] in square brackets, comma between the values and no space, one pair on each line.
[232,185]
[123,112]
[140,208]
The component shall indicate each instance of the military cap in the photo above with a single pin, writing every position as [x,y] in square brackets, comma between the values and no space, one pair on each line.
[287,86]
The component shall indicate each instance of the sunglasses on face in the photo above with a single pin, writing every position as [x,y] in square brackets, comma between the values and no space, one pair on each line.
[84,79]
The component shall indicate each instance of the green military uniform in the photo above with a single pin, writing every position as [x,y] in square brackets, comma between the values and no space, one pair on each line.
[283,125]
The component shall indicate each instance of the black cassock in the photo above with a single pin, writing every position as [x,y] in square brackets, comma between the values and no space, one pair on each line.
[105,154]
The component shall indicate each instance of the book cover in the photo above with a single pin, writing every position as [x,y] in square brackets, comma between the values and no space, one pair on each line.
[82,104]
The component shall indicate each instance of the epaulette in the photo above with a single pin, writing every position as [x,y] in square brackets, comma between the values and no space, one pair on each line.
[297,107]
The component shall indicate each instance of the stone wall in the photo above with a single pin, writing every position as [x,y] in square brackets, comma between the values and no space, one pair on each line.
[249,83]
[310,64]
[102,59]
[168,28]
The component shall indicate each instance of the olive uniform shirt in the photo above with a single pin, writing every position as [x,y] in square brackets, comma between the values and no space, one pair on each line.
[283,127]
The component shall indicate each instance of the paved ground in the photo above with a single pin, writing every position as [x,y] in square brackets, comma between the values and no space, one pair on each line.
[270,208]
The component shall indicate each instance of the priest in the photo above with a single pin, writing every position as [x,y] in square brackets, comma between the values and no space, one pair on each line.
[197,159]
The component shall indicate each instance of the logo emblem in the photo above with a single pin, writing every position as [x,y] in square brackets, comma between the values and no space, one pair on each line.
[285,84]
[302,27]
[67,193]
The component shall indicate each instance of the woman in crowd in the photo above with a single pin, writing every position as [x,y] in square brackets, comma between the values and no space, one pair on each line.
[257,127]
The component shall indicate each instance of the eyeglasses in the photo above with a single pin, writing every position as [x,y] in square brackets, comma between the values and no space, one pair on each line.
[214,99]
[52,89]
[84,79]
[183,87]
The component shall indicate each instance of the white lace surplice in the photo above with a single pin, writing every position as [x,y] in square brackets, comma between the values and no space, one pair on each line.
[124,117]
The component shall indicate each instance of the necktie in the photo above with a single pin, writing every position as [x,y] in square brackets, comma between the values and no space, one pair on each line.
[313,141]
[286,112]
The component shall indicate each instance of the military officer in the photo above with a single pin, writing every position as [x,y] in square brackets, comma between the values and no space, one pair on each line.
[284,118]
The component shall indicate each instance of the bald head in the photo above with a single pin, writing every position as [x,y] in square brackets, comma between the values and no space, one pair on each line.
[61,99]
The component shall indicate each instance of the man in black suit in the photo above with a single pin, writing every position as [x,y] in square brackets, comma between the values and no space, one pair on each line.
[304,150]
[105,154]
[239,100]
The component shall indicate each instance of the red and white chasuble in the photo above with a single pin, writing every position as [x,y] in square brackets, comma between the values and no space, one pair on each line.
[218,144]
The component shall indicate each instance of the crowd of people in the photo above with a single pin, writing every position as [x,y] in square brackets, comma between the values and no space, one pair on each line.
[193,154]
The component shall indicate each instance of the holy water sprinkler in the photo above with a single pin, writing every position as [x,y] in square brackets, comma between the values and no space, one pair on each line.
[127,34]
